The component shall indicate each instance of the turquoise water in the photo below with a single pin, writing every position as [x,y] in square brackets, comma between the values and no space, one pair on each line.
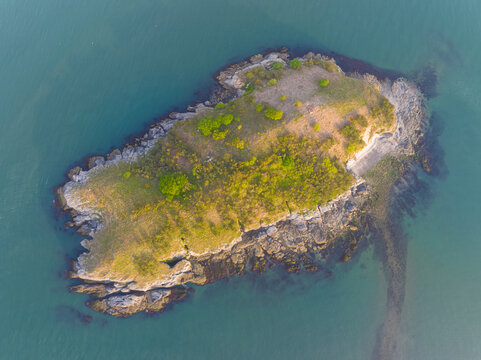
[79,77]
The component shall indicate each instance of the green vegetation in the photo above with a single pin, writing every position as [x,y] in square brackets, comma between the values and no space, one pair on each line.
[316,126]
[283,98]
[329,66]
[144,263]
[272,82]
[328,143]
[248,88]
[295,64]
[260,107]
[384,112]
[277,65]
[298,103]
[171,185]
[208,126]
[309,62]
[273,113]
[359,120]
[219,135]
[353,137]
[238,143]
[220,106]
[258,77]
[323,82]
[353,134]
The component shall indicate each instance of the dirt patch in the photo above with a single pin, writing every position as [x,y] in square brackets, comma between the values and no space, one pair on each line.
[295,85]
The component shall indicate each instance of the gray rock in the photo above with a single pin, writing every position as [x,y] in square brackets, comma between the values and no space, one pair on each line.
[271,230]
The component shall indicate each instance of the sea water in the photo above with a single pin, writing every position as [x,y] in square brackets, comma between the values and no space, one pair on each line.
[78,78]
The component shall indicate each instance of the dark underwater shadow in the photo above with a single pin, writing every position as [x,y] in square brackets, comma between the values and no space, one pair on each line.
[413,196]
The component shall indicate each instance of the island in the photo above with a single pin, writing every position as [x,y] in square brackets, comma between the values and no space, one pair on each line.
[285,166]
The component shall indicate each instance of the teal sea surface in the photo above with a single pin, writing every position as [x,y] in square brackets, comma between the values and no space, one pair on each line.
[79,77]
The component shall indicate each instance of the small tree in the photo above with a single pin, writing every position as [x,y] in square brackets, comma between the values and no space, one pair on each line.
[273,113]
[205,126]
[171,185]
[360,120]
[316,126]
[272,82]
[227,119]
[283,97]
[329,66]
[259,107]
[295,64]
[277,65]
[238,143]
[219,135]
[323,82]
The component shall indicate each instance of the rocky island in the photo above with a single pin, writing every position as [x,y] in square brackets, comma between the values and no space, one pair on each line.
[287,165]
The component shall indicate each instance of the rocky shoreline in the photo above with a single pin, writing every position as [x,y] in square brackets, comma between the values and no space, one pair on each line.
[312,241]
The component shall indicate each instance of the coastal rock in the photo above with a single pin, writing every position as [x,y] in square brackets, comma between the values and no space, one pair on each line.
[114,155]
[73,172]
[95,161]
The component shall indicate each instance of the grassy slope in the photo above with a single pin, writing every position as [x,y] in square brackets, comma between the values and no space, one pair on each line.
[258,172]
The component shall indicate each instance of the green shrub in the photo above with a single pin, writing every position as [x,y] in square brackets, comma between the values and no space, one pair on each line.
[350,132]
[277,65]
[328,143]
[217,122]
[283,97]
[272,82]
[238,143]
[205,126]
[352,148]
[220,106]
[144,263]
[227,119]
[316,126]
[359,120]
[354,140]
[329,166]
[259,107]
[329,66]
[323,82]
[295,64]
[126,174]
[298,103]
[384,112]
[288,162]
[248,88]
[219,135]
[171,185]
[273,113]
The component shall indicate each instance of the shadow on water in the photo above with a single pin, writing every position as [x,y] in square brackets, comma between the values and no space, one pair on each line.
[410,195]
[72,316]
